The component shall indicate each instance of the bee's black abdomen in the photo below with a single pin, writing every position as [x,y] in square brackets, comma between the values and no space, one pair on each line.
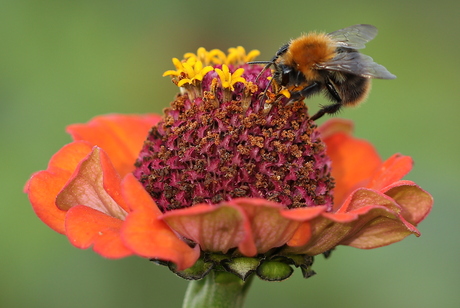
[352,88]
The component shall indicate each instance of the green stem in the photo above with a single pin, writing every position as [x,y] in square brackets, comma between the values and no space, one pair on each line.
[217,289]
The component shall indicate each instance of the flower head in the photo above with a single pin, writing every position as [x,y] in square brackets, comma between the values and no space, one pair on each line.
[225,180]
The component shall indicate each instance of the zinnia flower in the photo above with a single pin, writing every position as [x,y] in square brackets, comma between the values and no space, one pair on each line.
[224,180]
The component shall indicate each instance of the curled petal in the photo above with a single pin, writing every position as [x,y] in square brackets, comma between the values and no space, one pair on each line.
[93,217]
[382,225]
[363,197]
[214,228]
[368,219]
[87,227]
[415,202]
[90,185]
[268,226]
[121,136]
[253,225]
[148,236]
[44,186]
[379,231]
[78,195]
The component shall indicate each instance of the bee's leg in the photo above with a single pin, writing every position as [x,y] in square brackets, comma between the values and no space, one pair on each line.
[329,109]
[334,95]
[306,92]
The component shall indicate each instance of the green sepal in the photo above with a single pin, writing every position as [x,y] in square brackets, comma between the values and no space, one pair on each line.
[274,271]
[197,271]
[307,272]
[242,267]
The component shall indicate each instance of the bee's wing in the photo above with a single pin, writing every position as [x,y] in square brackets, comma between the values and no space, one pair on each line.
[354,37]
[358,64]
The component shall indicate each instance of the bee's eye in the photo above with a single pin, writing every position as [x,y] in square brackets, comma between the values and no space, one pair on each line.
[287,70]
[285,77]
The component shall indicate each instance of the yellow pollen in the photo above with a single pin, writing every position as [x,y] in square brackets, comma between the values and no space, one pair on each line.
[285,92]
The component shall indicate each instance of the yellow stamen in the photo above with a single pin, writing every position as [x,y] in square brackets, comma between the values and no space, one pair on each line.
[194,67]
[212,57]
[238,55]
[228,79]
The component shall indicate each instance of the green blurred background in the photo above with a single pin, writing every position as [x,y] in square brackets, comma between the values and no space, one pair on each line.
[64,62]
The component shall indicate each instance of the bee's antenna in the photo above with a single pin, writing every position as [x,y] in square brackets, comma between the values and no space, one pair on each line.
[280,52]
[267,65]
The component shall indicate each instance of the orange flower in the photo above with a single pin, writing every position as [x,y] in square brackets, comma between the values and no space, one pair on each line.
[89,194]
[226,187]
[88,191]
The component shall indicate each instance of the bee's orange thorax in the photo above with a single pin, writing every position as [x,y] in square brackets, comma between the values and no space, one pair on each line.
[306,51]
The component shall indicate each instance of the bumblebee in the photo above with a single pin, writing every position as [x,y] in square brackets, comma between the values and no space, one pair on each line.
[328,63]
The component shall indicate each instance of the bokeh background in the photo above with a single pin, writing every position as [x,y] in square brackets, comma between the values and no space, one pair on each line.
[64,62]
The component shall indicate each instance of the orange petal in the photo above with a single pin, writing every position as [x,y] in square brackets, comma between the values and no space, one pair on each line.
[368,219]
[301,236]
[268,226]
[86,227]
[86,186]
[334,126]
[44,186]
[379,231]
[304,215]
[146,234]
[121,136]
[216,228]
[415,202]
[363,197]
[353,160]
[392,170]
